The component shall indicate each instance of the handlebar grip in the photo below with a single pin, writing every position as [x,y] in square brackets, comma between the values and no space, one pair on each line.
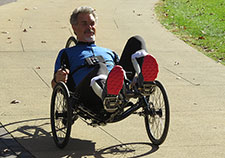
[63,67]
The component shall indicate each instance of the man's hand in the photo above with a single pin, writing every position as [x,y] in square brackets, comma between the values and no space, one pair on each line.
[60,75]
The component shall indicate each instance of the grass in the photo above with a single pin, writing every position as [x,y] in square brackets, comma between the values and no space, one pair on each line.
[200,23]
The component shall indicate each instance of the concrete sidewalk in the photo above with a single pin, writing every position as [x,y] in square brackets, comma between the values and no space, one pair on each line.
[32,33]
[2,2]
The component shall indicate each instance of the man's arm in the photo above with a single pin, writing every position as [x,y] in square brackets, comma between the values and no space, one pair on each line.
[60,75]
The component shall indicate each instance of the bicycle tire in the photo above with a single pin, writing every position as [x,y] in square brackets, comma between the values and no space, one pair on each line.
[157,112]
[61,115]
[72,41]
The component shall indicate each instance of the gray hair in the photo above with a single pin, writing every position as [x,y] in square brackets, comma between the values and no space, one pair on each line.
[84,9]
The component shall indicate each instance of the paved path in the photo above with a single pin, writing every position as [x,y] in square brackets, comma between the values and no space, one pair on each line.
[2,2]
[32,33]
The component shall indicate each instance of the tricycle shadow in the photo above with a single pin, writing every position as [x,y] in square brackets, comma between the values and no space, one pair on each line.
[131,150]
[41,142]
[37,140]
[81,148]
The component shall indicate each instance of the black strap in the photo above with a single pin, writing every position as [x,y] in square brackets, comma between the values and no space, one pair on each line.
[90,62]
[115,58]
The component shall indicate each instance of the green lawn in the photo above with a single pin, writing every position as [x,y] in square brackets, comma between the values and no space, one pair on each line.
[200,23]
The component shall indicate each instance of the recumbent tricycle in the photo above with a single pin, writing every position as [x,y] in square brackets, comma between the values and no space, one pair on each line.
[152,102]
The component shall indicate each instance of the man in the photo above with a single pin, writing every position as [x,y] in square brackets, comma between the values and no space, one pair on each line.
[96,73]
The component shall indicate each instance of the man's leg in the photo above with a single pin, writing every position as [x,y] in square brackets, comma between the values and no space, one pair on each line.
[108,87]
[135,59]
[87,95]
[134,44]
[100,90]
[111,93]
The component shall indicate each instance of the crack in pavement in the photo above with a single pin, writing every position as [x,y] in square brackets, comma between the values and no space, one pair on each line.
[194,84]
[39,76]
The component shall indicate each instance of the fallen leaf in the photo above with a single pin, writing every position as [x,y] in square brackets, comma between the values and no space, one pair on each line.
[15,101]
[176,63]
[201,37]
[43,42]
[5,32]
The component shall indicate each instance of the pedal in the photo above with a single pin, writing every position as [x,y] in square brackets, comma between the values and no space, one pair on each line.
[111,103]
[148,88]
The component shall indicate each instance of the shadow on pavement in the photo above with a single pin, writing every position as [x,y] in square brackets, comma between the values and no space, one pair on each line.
[131,150]
[40,143]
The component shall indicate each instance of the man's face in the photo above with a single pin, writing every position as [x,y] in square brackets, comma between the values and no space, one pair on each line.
[85,28]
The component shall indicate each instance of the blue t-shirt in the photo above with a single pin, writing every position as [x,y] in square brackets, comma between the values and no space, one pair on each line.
[77,54]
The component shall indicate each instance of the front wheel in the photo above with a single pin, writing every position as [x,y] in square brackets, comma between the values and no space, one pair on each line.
[61,115]
[157,114]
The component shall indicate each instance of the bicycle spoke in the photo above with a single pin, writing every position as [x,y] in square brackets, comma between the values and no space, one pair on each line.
[157,119]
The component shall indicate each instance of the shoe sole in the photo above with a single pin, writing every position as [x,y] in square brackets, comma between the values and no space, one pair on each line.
[149,68]
[115,80]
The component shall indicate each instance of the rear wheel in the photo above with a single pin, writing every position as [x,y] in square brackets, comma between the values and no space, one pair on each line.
[72,41]
[61,115]
[157,114]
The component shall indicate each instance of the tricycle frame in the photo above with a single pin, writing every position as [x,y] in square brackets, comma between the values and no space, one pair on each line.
[66,108]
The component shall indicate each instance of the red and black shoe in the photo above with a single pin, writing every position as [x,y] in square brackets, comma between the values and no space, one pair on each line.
[149,68]
[149,72]
[114,84]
